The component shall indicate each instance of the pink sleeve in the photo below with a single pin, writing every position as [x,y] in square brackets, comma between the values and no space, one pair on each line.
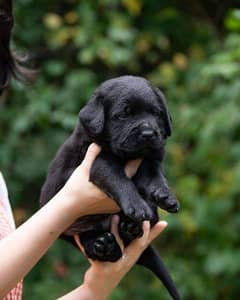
[7,226]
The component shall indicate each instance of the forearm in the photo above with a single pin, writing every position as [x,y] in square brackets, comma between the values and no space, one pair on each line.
[22,249]
[83,293]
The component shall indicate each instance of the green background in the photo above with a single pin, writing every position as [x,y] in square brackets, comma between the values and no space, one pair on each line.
[191,50]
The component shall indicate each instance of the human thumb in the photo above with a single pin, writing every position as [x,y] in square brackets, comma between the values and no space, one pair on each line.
[92,153]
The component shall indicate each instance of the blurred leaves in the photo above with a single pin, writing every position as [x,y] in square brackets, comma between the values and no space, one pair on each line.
[133,6]
[232,21]
[79,44]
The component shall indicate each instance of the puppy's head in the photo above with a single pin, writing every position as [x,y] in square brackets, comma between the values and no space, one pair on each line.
[128,116]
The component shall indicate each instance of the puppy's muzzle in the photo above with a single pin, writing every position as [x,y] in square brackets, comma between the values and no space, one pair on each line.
[147,132]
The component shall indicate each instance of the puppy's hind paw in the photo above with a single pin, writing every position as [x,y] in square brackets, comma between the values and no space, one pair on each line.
[129,230]
[106,248]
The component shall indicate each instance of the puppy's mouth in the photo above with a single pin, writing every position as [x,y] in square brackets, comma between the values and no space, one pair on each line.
[140,148]
[132,153]
[125,151]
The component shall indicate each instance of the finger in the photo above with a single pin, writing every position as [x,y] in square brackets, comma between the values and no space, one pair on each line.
[114,231]
[80,246]
[132,167]
[92,153]
[78,242]
[146,231]
[157,229]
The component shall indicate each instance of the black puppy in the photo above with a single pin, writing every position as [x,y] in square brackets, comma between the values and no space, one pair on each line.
[128,117]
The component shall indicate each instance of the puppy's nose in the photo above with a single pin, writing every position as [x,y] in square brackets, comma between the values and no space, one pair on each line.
[147,131]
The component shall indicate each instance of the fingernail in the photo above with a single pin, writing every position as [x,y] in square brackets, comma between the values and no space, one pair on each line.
[164,223]
[94,146]
[116,218]
[146,223]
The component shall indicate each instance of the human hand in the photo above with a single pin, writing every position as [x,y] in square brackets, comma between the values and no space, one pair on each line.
[102,277]
[84,197]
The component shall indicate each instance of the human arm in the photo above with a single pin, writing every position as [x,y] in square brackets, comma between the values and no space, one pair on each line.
[102,277]
[22,249]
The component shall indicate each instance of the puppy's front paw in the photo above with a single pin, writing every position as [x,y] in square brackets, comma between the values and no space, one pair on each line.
[165,200]
[138,210]
[106,248]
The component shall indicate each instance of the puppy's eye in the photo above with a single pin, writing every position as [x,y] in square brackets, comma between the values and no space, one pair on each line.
[157,113]
[125,113]
[127,110]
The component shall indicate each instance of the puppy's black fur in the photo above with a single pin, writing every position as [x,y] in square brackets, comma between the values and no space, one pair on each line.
[128,117]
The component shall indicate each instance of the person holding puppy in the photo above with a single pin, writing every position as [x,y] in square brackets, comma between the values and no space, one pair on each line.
[22,248]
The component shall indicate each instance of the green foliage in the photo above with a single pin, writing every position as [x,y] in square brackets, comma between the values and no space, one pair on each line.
[77,45]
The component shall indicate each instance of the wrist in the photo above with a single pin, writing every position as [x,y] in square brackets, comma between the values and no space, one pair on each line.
[99,281]
[93,292]
[67,206]
[82,292]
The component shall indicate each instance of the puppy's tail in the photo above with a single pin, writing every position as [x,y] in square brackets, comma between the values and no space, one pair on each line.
[10,64]
[152,261]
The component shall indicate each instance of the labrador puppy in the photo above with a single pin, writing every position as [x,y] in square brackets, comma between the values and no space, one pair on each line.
[129,119]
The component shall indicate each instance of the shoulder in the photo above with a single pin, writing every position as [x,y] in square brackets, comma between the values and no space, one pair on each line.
[3,188]
[5,206]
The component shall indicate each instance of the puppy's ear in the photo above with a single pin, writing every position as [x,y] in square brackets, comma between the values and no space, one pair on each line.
[167,117]
[92,115]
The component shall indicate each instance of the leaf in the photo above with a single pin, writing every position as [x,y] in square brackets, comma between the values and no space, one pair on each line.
[232,21]
[52,21]
[133,6]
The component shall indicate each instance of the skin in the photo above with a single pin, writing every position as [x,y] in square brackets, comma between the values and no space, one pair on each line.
[23,248]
